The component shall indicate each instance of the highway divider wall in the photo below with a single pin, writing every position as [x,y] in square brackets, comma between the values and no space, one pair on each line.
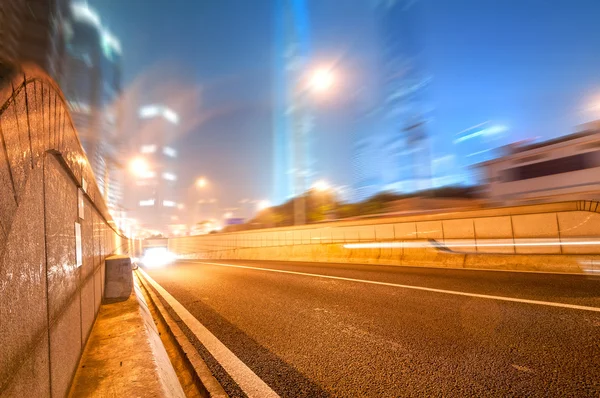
[558,237]
[55,232]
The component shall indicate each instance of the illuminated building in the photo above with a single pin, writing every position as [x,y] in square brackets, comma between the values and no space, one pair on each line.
[292,120]
[366,158]
[92,84]
[72,46]
[152,196]
[398,145]
[564,168]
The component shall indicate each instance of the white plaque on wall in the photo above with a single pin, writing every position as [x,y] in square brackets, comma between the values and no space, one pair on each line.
[78,243]
[80,203]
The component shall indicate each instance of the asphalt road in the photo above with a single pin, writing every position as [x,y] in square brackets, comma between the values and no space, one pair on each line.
[306,335]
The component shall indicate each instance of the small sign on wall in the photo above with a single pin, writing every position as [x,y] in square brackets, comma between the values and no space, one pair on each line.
[78,243]
[80,203]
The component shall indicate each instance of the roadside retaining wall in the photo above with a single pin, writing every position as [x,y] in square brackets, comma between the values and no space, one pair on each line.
[50,291]
[559,237]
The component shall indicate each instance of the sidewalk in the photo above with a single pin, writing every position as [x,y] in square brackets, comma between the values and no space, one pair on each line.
[124,356]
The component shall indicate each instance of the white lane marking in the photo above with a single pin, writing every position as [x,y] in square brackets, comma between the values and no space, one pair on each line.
[478,243]
[427,289]
[519,271]
[245,378]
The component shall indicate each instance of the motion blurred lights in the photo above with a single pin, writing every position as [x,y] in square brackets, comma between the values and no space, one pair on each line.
[110,42]
[147,202]
[170,115]
[170,152]
[139,167]
[168,203]
[82,12]
[322,79]
[158,257]
[450,243]
[485,131]
[169,176]
[150,111]
[148,149]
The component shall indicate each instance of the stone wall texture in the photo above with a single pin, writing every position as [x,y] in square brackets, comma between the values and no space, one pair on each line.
[556,237]
[48,302]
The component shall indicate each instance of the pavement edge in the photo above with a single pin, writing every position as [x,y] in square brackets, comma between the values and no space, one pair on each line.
[206,383]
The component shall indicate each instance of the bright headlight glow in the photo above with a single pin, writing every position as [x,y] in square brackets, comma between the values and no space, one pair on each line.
[158,257]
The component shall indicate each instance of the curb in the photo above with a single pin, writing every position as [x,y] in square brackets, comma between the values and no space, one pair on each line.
[204,380]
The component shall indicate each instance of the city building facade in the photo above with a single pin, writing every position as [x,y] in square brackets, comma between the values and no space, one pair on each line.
[399,143]
[68,41]
[91,83]
[151,197]
[33,31]
[565,168]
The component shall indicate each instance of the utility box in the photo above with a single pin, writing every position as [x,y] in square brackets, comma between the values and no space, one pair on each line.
[118,281]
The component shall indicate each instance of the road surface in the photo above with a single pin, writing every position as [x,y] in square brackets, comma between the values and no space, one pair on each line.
[353,330]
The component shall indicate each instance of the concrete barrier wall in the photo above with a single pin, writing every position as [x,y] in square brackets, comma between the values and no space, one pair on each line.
[48,302]
[501,238]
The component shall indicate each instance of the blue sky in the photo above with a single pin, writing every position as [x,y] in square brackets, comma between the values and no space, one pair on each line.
[531,65]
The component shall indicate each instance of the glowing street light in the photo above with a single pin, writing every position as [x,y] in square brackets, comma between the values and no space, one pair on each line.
[228,214]
[322,79]
[201,182]
[320,186]
[139,166]
[262,205]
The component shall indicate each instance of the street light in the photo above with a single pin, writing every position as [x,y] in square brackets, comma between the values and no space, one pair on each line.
[262,205]
[201,182]
[320,186]
[139,166]
[322,79]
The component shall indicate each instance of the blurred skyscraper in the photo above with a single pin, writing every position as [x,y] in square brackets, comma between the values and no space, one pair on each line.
[367,149]
[33,31]
[292,121]
[92,85]
[151,198]
[399,143]
[69,42]
[405,105]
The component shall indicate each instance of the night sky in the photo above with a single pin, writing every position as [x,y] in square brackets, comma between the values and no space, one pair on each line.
[532,65]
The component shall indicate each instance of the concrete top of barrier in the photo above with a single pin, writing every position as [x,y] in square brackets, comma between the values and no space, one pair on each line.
[124,355]
[444,215]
